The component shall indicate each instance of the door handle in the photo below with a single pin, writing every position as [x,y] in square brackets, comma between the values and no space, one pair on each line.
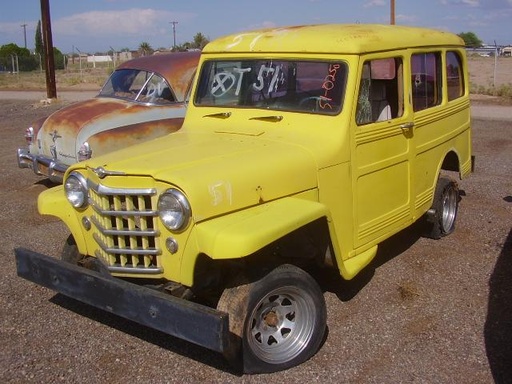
[407,127]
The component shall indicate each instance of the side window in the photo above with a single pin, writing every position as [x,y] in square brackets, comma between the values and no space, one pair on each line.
[455,75]
[380,91]
[157,91]
[426,80]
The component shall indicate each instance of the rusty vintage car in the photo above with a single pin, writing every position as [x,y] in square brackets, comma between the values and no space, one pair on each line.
[144,98]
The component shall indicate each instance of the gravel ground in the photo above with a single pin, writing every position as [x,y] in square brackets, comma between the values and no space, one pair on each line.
[423,312]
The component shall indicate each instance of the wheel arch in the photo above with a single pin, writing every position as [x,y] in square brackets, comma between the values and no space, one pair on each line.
[53,202]
[290,230]
[451,161]
[243,233]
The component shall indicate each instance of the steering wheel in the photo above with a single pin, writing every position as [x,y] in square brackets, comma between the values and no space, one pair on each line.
[310,103]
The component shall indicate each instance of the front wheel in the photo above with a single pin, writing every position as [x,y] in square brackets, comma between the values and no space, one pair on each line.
[70,252]
[443,214]
[71,255]
[280,319]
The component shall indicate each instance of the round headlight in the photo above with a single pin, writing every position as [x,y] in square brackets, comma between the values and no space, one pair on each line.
[76,190]
[174,210]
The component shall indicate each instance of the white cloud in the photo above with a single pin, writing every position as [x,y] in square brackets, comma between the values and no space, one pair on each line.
[130,22]
[12,28]
[407,19]
[262,25]
[471,3]
[375,3]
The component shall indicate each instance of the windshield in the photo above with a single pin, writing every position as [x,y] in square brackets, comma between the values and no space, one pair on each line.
[137,85]
[298,86]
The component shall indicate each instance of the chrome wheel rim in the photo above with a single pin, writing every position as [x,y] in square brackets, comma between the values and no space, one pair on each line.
[281,325]
[449,209]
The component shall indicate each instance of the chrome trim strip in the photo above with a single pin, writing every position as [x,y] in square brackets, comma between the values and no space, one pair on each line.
[55,169]
[122,213]
[138,270]
[100,189]
[142,271]
[126,251]
[123,232]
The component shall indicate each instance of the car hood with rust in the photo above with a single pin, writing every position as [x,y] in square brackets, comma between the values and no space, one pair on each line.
[62,133]
[219,172]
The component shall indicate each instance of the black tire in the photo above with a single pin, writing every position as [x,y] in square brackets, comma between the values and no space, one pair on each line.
[443,214]
[70,251]
[280,319]
[71,255]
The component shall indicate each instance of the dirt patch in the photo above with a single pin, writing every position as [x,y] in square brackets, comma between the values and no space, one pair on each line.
[422,311]
[489,72]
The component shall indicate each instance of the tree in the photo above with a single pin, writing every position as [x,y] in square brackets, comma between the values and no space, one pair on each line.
[58,59]
[200,41]
[24,61]
[470,39]
[39,40]
[145,49]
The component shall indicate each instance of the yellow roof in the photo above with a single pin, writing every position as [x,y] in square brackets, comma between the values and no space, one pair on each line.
[332,38]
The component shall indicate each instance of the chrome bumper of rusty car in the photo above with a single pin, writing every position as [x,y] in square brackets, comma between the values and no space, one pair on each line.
[42,165]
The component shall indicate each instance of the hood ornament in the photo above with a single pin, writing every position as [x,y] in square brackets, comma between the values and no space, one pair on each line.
[53,148]
[102,172]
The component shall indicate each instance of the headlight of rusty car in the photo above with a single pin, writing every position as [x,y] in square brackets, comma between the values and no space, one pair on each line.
[76,190]
[174,210]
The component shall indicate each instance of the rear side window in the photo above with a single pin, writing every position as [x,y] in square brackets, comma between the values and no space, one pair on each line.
[426,80]
[454,74]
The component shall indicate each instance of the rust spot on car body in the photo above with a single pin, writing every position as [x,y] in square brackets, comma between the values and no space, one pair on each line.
[119,138]
[110,123]
[104,116]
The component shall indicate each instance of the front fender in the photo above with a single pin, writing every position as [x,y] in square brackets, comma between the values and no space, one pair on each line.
[242,233]
[53,202]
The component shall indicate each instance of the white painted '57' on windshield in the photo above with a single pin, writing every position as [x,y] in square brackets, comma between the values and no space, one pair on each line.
[301,86]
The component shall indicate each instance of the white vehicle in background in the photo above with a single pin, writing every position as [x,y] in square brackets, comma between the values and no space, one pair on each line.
[144,98]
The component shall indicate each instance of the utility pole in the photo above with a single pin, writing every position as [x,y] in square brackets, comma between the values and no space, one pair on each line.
[174,32]
[24,26]
[114,53]
[51,89]
[392,11]
[79,60]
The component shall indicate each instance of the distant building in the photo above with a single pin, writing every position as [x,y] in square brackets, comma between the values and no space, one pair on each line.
[99,59]
[484,50]
[124,55]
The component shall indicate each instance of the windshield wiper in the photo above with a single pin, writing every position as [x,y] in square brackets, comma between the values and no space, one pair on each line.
[272,118]
[220,115]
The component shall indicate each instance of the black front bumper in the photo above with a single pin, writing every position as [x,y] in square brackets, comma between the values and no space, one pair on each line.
[186,320]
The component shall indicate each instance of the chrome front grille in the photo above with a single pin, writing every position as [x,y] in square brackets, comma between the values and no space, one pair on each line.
[126,228]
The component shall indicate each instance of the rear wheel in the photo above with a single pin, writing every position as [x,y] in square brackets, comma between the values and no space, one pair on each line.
[280,319]
[443,214]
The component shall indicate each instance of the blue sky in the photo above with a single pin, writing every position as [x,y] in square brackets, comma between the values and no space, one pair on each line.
[96,25]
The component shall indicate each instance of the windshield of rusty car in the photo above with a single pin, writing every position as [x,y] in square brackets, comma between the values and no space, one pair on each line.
[290,85]
[137,85]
